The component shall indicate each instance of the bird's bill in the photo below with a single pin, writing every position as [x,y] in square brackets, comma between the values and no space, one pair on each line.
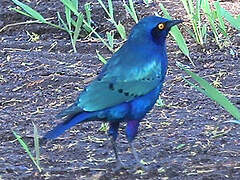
[172,23]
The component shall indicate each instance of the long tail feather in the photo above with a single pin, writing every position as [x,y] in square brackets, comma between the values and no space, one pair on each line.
[61,128]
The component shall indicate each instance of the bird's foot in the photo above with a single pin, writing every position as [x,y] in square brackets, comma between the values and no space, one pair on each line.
[139,166]
[119,166]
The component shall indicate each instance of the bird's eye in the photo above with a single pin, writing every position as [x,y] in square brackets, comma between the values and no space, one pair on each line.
[161,26]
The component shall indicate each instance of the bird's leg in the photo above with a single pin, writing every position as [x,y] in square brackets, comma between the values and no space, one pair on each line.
[113,132]
[139,164]
[119,164]
[131,132]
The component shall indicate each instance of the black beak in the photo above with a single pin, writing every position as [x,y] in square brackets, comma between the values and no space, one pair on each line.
[172,23]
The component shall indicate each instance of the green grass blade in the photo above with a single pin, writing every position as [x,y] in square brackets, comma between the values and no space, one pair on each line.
[128,9]
[133,12]
[101,58]
[68,17]
[110,8]
[78,27]
[68,30]
[204,33]
[228,16]
[30,11]
[48,23]
[191,7]
[87,8]
[211,19]
[75,4]
[146,2]
[110,38]
[220,19]
[71,6]
[195,86]
[21,12]
[25,147]
[198,10]
[74,23]
[36,144]
[177,35]
[63,23]
[104,7]
[213,93]
[186,7]
[98,36]
[121,30]
[233,121]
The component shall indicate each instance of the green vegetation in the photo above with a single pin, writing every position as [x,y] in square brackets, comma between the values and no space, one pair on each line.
[73,28]
[199,28]
[35,160]
[202,10]
[196,14]
[110,12]
[204,87]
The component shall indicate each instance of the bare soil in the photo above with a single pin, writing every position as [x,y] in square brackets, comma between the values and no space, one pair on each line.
[185,139]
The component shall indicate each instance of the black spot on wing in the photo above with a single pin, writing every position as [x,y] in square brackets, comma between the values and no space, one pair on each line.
[148,79]
[120,90]
[111,86]
[151,79]
[126,93]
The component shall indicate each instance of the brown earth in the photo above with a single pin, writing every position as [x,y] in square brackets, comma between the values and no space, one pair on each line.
[185,139]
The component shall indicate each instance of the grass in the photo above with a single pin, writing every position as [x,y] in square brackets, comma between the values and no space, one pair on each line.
[75,11]
[131,10]
[36,159]
[221,12]
[215,17]
[204,87]
[195,14]
[73,28]
[110,12]
[199,29]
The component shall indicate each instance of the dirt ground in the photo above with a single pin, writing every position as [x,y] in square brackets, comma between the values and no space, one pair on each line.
[185,139]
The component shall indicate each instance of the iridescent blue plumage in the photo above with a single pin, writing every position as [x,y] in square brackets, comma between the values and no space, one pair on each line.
[128,85]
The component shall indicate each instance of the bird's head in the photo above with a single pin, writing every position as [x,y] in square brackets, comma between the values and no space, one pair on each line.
[152,28]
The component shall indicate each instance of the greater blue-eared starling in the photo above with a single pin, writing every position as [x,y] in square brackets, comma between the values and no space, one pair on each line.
[128,85]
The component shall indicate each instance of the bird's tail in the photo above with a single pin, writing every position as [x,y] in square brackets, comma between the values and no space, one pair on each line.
[61,128]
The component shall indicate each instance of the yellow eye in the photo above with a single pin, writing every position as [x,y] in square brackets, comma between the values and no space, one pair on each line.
[161,26]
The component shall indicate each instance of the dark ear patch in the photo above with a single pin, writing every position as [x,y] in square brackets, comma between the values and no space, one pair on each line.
[156,34]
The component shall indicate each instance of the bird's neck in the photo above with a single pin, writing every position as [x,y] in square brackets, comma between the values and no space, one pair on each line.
[164,59]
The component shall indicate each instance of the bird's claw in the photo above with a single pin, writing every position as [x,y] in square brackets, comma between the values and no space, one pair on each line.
[137,167]
[141,166]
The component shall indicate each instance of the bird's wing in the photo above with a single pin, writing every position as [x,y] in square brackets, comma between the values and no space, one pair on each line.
[121,80]
[105,92]
[101,95]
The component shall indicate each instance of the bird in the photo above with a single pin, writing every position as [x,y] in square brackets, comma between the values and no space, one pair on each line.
[127,86]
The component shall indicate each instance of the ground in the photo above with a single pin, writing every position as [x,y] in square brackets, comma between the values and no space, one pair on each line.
[187,138]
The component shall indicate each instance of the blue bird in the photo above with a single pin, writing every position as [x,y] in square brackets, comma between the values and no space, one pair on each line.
[128,85]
